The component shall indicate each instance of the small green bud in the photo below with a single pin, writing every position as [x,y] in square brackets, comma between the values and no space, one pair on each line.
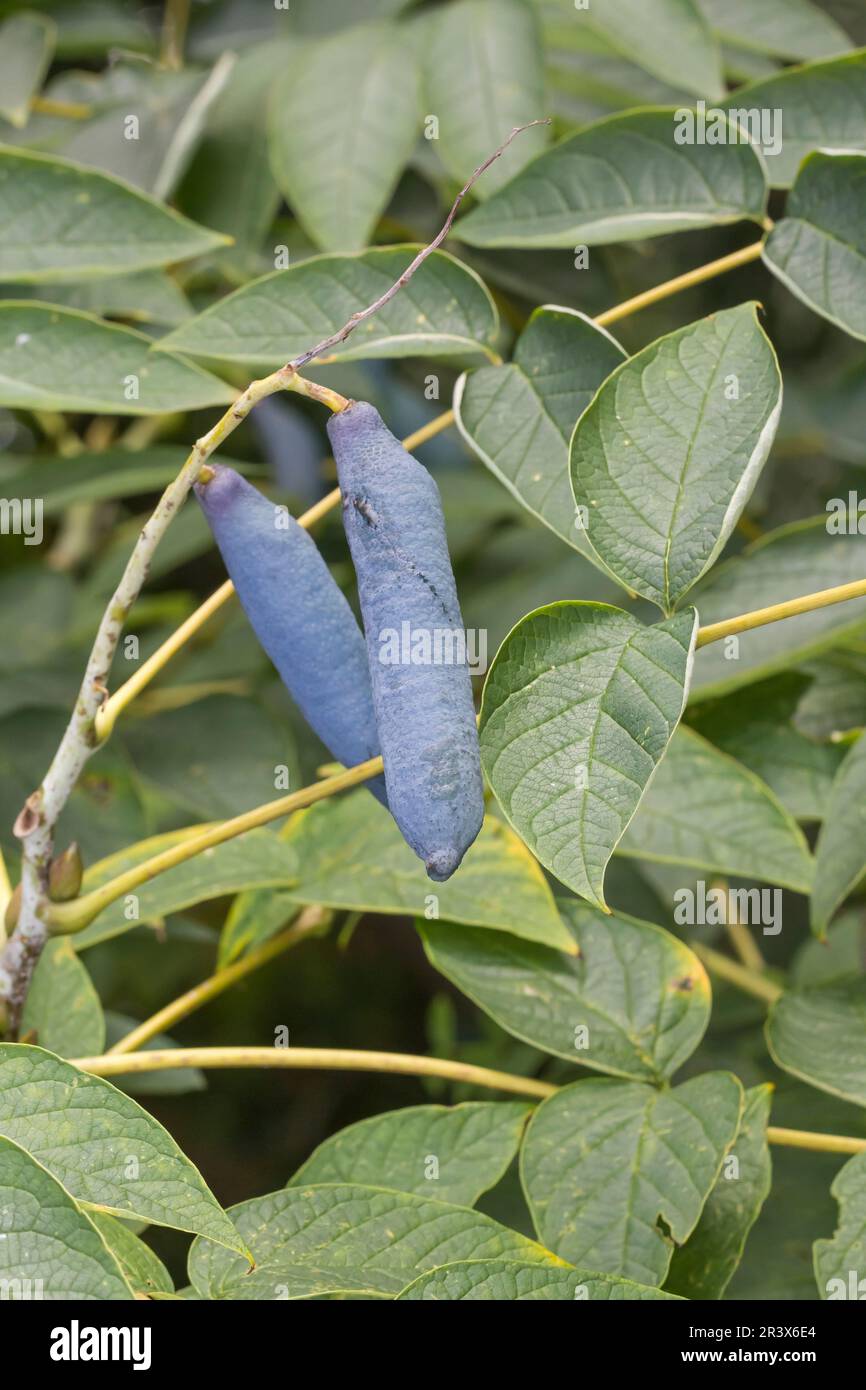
[64,876]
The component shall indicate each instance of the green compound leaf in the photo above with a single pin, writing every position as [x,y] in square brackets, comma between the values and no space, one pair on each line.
[579,706]
[840,854]
[102,1146]
[818,249]
[621,179]
[819,1035]
[59,359]
[347,1238]
[482,76]
[634,1002]
[508,1281]
[705,1265]
[63,222]
[453,1153]
[359,91]
[816,106]
[840,1262]
[706,810]
[519,417]
[445,311]
[604,1162]
[665,458]
[26,45]
[50,1249]
[63,1013]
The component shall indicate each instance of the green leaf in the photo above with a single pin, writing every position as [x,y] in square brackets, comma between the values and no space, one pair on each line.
[453,1153]
[784,564]
[840,854]
[143,1270]
[604,1162]
[350,855]
[58,359]
[756,727]
[164,109]
[229,184]
[26,45]
[358,91]
[818,249]
[622,179]
[634,1002]
[63,1011]
[792,29]
[837,1260]
[103,1147]
[821,107]
[482,74]
[819,1035]
[819,961]
[706,810]
[50,1249]
[96,477]
[518,417]
[147,296]
[258,859]
[72,223]
[447,312]
[180,762]
[670,38]
[507,1281]
[704,1266]
[665,458]
[347,1238]
[578,708]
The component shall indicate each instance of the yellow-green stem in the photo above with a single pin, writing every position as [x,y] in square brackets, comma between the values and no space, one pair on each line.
[822,1143]
[759,986]
[395,1063]
[681,282]
[311,920]
[63,918]
[791,608]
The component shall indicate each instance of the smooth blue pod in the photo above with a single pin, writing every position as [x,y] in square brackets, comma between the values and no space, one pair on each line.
[298,613]
[424,711]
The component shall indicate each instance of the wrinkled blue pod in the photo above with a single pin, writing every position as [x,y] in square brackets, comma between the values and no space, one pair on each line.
[298,613]
[424,710]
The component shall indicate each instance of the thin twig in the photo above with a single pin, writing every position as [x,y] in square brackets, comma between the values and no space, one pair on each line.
[342,334]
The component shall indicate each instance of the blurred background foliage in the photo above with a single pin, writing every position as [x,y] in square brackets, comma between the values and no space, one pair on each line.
[203,741]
